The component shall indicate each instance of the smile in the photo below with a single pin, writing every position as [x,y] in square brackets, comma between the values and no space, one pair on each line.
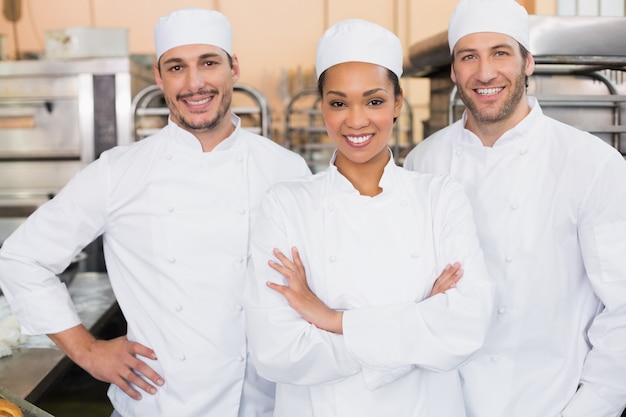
[488,91]
[358,139]
[198,102]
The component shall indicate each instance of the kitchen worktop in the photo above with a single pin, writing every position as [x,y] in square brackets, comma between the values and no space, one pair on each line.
[37,363]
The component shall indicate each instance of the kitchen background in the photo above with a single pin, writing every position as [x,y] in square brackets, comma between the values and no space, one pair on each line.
[59,107]
[274,40]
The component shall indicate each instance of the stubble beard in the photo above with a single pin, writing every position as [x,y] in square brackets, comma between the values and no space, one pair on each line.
[204,125]
[496,115]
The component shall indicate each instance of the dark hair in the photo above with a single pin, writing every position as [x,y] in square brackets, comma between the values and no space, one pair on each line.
[525,54]
[397,90]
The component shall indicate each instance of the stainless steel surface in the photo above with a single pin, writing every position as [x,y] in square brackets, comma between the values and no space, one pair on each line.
[37,363]
[28,409]
[579,76]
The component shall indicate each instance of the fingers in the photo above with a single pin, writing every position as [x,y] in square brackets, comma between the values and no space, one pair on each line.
[117,361]
[448,278]
[282,258]
[281,289]
[143,369]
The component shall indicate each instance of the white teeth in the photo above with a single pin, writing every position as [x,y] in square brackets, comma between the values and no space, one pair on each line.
[197,103]
[358,139]
[488,91]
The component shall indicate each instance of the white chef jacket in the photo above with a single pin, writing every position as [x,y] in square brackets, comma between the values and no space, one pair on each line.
[550,208]
[175,222]
[376,258]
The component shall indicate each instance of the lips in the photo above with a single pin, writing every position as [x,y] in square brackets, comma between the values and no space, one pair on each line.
[197,98]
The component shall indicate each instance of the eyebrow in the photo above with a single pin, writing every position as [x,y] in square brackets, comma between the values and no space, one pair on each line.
[365,93]
[201,57]
[498,46]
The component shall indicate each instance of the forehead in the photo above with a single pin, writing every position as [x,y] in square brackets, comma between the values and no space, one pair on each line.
[484,40]
[356,73]
[191,52]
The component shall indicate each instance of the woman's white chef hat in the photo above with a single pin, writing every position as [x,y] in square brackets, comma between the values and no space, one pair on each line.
[500,16]
[192,26]
[356,40]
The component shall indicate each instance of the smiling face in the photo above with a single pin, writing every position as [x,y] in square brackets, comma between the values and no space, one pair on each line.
[197,83]
[490,73]
[359,105]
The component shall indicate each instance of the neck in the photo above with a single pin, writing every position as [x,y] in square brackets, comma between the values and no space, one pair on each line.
[209,139]
[365,177]
[490,132]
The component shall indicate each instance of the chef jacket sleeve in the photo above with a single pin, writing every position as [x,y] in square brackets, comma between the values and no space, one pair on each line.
[43,246]
[602,237]
[441,332]
[283,346]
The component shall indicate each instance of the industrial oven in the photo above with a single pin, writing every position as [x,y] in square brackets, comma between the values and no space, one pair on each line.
[57,116]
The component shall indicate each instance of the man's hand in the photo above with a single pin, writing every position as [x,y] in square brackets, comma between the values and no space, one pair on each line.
[114,361]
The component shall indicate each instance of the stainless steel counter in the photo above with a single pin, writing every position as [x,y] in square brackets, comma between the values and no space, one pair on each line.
[37,363]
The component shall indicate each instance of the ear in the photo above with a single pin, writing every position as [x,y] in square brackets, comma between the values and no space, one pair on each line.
[530,65]
[157,75]
[236,69]
[452,74]
[398,105]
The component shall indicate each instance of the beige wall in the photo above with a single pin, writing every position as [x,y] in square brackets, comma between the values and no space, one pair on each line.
[274,39]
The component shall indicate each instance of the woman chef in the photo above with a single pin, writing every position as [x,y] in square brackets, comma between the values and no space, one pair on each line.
[372,336]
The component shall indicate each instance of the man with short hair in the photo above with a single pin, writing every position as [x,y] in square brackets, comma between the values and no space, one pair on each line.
[550,207]
[174,210]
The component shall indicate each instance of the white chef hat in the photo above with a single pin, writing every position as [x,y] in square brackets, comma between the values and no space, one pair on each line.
[500,16]
[192,26]
[356,40]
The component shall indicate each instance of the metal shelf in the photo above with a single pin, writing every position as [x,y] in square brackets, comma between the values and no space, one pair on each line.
[150,113]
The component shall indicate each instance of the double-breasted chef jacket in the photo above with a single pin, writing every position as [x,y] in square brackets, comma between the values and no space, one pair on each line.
[550,207]
[176,223]
[375,258]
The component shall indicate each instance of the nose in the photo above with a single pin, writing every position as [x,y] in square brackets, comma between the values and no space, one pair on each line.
[195,79]
[486,71]
[357,117]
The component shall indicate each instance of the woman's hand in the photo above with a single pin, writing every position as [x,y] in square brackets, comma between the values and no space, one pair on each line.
[299,295]
[448,278]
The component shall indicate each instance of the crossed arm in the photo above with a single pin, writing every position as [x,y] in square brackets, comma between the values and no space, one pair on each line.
[312,309]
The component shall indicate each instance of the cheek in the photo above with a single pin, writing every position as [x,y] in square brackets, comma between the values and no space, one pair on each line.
[384,120]
[332,120]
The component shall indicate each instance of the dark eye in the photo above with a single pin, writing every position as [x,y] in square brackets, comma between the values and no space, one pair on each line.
[337,104]
[174,68]
[376,102]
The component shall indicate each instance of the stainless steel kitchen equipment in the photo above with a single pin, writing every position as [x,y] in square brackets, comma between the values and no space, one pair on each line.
[579,76]
[56,116]
[305,132]
[150,113]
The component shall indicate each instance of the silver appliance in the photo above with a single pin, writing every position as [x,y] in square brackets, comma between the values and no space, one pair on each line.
[57,116]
